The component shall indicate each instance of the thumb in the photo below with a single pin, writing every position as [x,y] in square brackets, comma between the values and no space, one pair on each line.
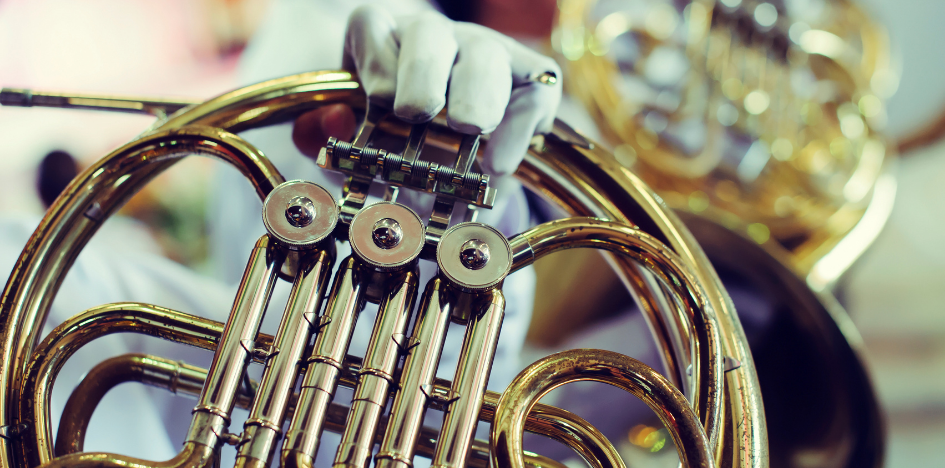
[312,129]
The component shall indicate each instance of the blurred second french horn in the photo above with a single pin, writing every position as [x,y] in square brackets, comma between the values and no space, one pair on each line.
[757,122]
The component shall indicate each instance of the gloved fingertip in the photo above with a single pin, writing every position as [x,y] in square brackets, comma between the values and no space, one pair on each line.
[371,50]
[365,15]
[475,118]
[467,128]
[417,110]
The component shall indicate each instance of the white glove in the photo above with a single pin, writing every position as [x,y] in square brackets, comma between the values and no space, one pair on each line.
[417,64]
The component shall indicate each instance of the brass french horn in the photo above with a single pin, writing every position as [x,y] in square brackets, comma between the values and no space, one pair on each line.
[755,122]
[709,399]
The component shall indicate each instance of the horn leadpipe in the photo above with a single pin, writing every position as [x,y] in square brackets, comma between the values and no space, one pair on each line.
[263,427]
[157,107]
[377,374]
[410,403]
[212,413]
[325,365]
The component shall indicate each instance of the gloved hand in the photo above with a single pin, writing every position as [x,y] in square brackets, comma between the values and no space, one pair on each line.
[417,64]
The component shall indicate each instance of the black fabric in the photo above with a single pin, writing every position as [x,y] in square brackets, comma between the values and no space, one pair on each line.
[56,170]
[459,10]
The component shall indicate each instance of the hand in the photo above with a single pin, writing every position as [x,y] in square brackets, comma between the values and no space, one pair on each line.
[418,64]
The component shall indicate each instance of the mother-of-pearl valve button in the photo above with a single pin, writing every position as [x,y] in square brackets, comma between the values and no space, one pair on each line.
[387,235]
[299,214]
[474,256]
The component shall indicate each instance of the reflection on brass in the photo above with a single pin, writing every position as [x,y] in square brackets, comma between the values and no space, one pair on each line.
[691,315]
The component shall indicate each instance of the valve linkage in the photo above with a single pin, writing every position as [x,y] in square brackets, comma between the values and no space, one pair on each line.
[363,164]
[361,161]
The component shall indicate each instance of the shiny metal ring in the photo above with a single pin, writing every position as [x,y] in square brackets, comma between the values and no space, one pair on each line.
[365,244]
[449,256]
[299,214]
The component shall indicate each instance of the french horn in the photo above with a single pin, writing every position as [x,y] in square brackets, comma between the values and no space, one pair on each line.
[709,398]
[756,121]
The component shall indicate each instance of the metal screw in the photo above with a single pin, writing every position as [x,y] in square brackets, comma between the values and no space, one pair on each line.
[546,78]
[387,233]
[474,254]
[300,211]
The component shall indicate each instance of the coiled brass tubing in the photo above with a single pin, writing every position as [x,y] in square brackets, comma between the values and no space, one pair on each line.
[661,262]
[184,328]
[602,366]
[184,379]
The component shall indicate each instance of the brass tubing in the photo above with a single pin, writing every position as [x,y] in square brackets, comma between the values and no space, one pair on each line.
[532,460]
[184,328]
[565,427]
[100,321]
[70,223]
[602,366]
[584,180]
[376,376]
[325,365]
[75,332]
[587,182]
[556,423]
[176,377]
[272,102]
[160,108]
[848,427]
[236,348]
[566,169]
[183,379]
[664,264]
[263,426]
[469,382]
[104,187]
[680,337]
[193,455]
[417,376]
[237,345]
